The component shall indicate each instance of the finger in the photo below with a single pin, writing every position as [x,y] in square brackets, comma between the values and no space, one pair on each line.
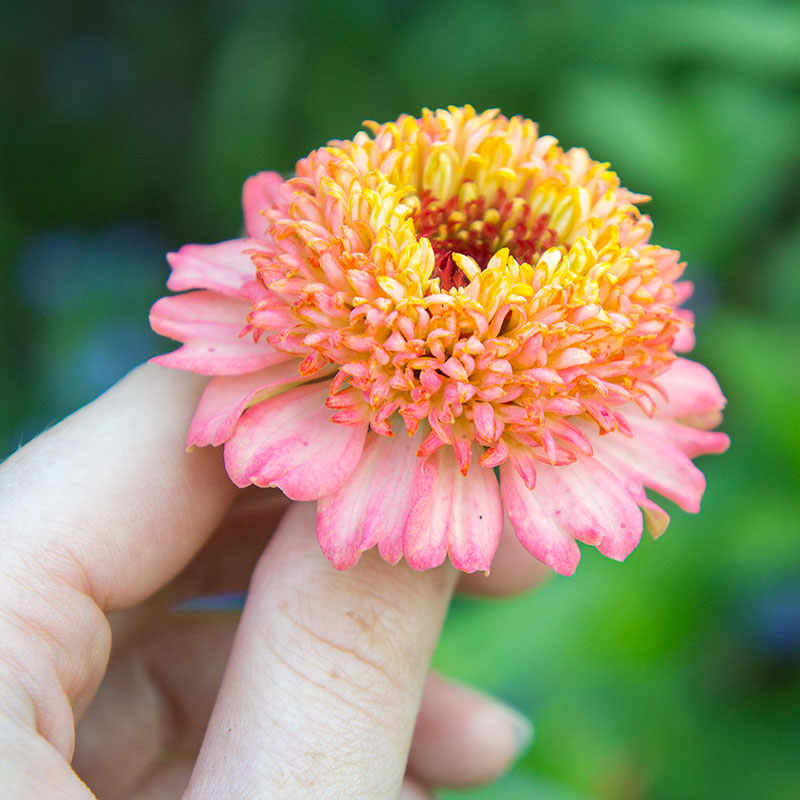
[96,513]
[150,646]
[108,498]
[464,738]
[325,677]
[514,570]
[411,790]
[155,700]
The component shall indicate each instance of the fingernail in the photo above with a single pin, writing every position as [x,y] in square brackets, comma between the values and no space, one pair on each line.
[522,727]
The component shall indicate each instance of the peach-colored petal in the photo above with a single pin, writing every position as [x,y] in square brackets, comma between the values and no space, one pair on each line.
[655,518]
[219,358]
[259,193]
[288,441]
[683,291]
[225,399]
[455,512]
[372,505]
[210,324]
[223,267]
[199,314]
[476,520]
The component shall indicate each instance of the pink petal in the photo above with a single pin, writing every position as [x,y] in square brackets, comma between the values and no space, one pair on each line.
[450,510]
[225,399]
[223,267]
[651,459]
[477,520]
[683,291]
[210,324]
[425,531]
[690,389]
[372,505]
[656,520]
[259,192]
[226,358]
[691,441]
[199,314]
[590,503]
[539,534]
[288,441]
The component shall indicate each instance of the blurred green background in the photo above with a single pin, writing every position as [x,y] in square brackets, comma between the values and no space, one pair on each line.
[127,129]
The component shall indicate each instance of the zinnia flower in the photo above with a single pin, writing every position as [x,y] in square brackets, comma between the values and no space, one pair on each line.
[436,321]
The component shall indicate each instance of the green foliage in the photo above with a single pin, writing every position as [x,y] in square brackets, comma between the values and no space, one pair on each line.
[127,130]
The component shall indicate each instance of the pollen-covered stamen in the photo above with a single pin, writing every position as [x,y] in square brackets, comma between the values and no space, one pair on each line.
[471,225]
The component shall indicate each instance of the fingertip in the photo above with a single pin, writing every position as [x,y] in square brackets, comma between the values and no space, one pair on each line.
[464,737]
[523,730]
[411,790]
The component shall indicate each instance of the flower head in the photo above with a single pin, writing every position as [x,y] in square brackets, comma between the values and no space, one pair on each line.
[434,304]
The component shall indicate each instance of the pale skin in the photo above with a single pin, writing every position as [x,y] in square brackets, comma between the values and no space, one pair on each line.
[321,690]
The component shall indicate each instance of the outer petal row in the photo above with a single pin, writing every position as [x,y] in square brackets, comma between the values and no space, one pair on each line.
[376,490]
[422,509]
[223,267]
[583,501]
[225,399]
[288,441]
[210,324]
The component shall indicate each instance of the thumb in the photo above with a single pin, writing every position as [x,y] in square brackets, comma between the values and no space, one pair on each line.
[325,678]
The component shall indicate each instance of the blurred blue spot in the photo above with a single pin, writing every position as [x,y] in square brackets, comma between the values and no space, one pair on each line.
[778,623]
[88,296]
[106,357]
[95,361]
[61,269]
[229,601]
[85,75]
[706,297]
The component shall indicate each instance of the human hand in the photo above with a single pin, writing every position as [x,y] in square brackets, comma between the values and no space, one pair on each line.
[108,524]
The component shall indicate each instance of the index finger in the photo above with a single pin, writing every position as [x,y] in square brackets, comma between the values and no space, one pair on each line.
[108,500]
